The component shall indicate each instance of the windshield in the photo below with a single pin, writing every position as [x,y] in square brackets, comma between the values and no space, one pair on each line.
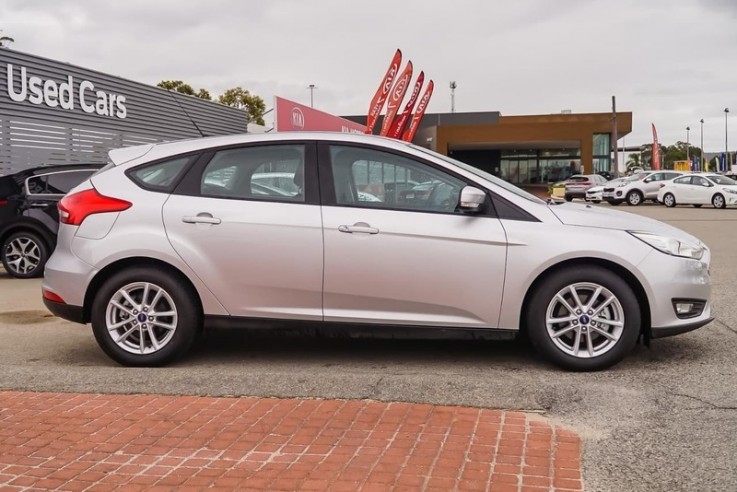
[721,180]
[482,174]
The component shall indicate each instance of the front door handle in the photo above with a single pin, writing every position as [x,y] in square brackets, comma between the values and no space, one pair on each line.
[360,227]
[201,218]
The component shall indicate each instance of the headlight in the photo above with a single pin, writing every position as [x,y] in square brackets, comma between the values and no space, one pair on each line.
[671,246]
[731,192]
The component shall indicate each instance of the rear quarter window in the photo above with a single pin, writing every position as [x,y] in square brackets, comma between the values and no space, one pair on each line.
[162,175]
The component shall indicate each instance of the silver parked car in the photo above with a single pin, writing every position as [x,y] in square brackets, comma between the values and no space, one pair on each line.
[170,238]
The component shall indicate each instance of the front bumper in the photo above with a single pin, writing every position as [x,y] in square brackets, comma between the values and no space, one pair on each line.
[669,331]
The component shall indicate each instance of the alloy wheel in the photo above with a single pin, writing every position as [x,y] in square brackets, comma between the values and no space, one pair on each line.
[634,198]
[585,320]
[22,255]
[669,200]
[141,318]
[718,201]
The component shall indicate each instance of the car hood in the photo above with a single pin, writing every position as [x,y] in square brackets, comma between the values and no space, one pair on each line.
[604,218]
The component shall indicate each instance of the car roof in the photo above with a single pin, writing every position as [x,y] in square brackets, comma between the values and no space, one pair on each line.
[165,149]
[34,171]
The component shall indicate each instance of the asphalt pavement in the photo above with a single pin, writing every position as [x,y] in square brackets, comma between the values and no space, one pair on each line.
[662,420]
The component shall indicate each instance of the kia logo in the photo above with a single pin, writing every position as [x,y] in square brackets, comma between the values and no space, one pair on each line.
[298,119]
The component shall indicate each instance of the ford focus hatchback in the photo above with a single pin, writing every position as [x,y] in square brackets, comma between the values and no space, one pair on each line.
[172,238]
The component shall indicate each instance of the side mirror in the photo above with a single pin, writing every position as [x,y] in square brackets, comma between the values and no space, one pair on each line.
[471,199]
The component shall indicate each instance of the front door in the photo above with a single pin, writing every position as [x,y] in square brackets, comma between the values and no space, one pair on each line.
[397,248]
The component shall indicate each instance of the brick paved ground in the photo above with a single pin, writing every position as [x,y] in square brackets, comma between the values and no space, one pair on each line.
[104,442]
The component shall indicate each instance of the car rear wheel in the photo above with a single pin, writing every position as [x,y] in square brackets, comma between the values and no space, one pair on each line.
[718,201]
[669,200]
[145,317]
[569,198]
[584,318]
[634,198]
[24,255]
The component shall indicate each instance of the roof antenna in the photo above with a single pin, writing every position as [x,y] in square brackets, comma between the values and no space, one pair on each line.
[185,112]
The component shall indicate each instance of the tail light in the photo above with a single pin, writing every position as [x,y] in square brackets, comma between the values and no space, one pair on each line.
[661,185]
[3,202]
[73,209]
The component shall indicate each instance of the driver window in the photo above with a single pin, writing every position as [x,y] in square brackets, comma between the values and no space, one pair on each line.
[376,179]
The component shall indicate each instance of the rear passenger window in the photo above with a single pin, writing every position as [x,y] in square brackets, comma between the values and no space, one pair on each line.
[162,175]
[59,183]
[272,172]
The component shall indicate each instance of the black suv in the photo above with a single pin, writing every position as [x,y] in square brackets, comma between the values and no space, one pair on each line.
[29,219]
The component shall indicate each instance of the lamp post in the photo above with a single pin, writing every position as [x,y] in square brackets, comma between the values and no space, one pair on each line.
[703,163]
[688,157]
[726,144]
[312,88]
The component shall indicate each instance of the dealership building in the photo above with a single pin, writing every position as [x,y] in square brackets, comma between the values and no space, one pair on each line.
[56,113]
[525,150]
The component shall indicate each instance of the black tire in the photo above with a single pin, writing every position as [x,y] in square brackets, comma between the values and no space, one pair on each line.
[544,297]
[569,198]
[634,198]
[718,201]
[697,205]
[669,200]
[187,324]
[34,250]
[614,202]
[596,201]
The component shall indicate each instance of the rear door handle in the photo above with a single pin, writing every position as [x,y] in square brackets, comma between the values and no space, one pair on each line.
[360,227]
[201,218]
[40,205]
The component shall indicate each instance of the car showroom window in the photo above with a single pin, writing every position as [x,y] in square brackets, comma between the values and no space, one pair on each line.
[377,179]
[273,172]
[161,175]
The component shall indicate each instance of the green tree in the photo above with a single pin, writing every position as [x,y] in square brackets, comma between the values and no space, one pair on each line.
[184,88]
[633,160]
[4,40]
[240,98]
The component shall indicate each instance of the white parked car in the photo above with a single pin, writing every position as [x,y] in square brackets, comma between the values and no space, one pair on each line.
[595,194]
[638,187]
[699,189]
[150,258]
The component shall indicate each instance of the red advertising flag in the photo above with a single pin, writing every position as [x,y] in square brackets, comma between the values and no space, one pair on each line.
[400,122]
[656,150]
[395,98]
[378,101]
[409,134]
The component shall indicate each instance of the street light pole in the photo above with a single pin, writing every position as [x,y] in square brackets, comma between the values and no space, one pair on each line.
[688,157]
[312,88]
[703,163]
[726,144]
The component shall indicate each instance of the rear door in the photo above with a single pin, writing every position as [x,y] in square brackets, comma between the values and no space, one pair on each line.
[257,247]
[402,253]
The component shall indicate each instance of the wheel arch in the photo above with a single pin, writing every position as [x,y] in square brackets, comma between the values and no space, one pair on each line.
[32,226]
[103,275]
[615,268]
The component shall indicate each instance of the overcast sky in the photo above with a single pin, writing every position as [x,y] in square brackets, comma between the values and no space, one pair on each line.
[670,62]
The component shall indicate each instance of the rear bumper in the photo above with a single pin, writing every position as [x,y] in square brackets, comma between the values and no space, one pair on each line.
[65,311]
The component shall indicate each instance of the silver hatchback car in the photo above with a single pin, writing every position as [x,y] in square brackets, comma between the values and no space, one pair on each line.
[172,238]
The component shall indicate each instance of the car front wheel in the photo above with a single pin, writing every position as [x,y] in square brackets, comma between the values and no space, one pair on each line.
[718,201]
[145,317]
[24,255]
[669,200]
[634,198]
[584,318]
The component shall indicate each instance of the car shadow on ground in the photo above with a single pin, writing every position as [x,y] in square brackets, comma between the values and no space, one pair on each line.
[232,345]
